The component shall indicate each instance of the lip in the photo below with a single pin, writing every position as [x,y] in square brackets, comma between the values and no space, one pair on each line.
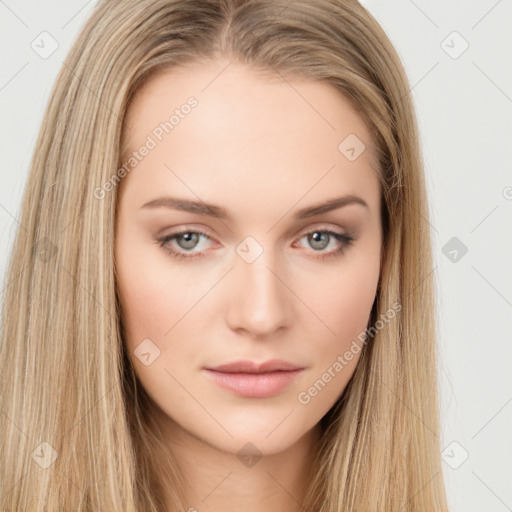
[254,380]
[246,366]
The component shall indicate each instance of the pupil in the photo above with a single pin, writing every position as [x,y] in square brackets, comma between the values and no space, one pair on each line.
[190,240]
[316,236]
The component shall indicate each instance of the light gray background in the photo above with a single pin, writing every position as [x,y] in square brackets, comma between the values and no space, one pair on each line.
[464,106]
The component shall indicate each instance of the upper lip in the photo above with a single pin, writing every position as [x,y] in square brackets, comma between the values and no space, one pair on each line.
[252,367]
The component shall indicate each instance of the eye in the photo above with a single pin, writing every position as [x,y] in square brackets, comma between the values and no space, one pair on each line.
[319,240]
[186,240]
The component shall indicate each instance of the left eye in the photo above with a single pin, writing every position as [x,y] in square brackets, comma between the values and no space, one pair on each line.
[190,240]
[318,240]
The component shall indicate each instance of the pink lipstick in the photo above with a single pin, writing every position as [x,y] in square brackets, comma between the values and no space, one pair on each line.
[254,380]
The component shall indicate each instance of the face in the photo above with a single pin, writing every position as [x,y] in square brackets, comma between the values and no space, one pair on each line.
[224,253]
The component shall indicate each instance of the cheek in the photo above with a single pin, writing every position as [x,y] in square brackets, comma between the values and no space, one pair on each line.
[346,307]
[154,308]
[147,306]
[343,303]
[153,298]
[160,302]
[343,299]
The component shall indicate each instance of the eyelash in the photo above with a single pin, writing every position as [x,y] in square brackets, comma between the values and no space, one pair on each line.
[345,239]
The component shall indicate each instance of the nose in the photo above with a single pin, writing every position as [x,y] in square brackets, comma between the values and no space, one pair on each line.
[260,300]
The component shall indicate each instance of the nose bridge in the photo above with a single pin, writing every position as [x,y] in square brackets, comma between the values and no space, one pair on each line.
[259,303]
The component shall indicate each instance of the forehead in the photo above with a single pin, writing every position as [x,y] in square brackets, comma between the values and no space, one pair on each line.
[250,134]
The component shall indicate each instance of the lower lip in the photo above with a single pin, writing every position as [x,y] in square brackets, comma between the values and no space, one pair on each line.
[254,385]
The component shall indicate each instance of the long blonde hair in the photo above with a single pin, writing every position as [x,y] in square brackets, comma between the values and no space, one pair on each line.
[66,380]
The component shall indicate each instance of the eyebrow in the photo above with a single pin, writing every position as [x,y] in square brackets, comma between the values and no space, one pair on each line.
[218,212]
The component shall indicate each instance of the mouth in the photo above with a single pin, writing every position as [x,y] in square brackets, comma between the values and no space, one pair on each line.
[253,380]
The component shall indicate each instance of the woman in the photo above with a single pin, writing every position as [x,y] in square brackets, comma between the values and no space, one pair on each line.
[221,292]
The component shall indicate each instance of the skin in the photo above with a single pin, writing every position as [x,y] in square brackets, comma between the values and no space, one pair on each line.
[262,148]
